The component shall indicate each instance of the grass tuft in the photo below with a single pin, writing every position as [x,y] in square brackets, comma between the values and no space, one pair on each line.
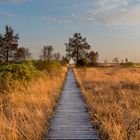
[25,110]
[113,97]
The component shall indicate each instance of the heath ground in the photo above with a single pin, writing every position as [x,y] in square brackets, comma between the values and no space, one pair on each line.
[28,95]
[113,98]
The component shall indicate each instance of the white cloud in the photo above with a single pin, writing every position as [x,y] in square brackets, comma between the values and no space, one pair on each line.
[115,12]
[108,12]
[65,19]
[131,17]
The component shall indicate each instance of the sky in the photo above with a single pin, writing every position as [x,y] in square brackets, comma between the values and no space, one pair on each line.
[112,27]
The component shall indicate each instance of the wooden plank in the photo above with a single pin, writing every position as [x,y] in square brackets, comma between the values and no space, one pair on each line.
[71,119]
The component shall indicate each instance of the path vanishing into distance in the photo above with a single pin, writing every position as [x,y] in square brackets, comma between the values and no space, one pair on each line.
[71,119]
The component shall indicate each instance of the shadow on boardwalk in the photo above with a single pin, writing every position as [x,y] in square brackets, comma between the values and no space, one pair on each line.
[71,120]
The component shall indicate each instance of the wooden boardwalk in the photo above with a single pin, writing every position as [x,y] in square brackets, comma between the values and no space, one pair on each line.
[71,120]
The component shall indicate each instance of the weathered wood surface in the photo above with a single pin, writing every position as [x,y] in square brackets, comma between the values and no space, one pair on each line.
[71,120]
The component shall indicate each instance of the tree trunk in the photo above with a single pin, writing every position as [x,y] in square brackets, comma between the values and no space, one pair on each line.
[77,57]
[7,56]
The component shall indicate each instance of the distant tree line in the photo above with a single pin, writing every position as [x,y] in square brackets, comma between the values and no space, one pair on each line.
[78,49]
[116,60]
[123,63]
[11,52]
[47,54]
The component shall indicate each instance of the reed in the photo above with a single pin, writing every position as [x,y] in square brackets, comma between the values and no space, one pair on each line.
[25,110]
[113,98]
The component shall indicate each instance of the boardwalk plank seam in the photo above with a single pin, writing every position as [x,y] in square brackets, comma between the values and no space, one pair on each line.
[71,119]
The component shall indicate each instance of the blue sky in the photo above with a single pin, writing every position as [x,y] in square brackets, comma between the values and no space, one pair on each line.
[112,27]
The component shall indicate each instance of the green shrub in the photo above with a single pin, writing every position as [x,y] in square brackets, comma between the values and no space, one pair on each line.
[129,64]
[24,71]
[48,66]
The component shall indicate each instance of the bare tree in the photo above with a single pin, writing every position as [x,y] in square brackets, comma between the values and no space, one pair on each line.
[65,60]
[126,60]
[22,54]
[93,57]
[46,53]
[57,56]
[115,60]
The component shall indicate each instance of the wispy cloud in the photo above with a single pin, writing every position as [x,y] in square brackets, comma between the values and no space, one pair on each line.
[130,17]
[65,19]
[116,12]
[108,12]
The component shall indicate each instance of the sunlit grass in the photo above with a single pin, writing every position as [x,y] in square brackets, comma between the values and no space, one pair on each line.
[113,97]
[26,109]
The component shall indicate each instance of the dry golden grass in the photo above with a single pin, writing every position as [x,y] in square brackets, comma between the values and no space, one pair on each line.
[113,97]
[26,110]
